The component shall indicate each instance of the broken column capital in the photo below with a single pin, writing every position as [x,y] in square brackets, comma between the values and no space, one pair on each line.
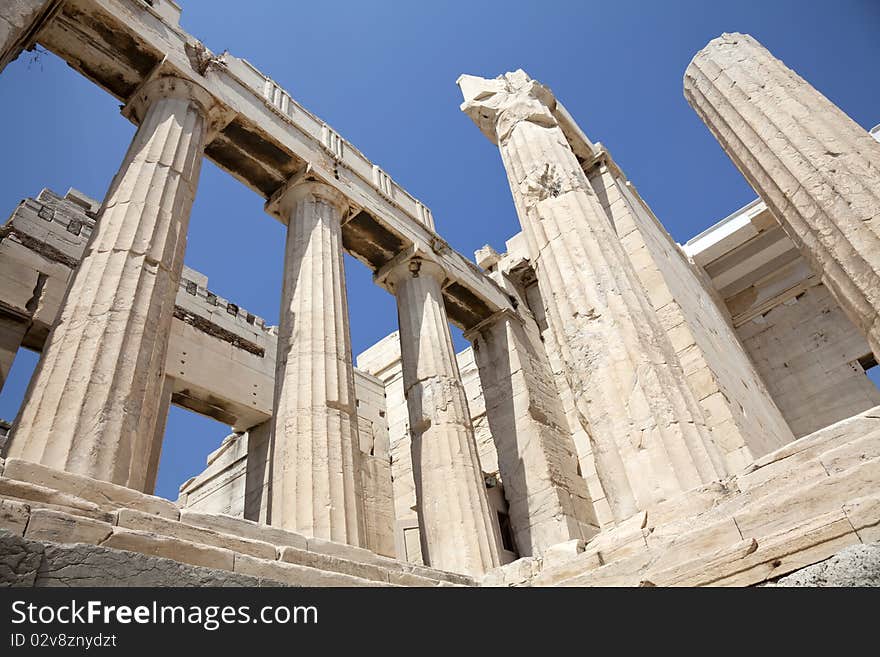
[496,106]
[486,257]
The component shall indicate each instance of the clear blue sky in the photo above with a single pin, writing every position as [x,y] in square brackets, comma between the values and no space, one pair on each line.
[383,74]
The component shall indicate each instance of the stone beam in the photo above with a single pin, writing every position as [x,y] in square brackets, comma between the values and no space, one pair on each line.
[118,43]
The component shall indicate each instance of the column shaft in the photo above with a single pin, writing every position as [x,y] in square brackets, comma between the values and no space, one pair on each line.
[315,481]
[647,430]
[12,331]
[155,447]
[547,497]
[93,404]
[457,531]
[816,168]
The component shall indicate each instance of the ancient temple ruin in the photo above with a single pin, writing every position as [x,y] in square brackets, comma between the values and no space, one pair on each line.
[631,411]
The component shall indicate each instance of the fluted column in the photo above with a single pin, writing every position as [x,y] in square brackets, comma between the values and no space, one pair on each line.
[816,169]
[12,332]
[93,404]
[458,532]
[155,455]
[647,431]
[548,500]
[315,483]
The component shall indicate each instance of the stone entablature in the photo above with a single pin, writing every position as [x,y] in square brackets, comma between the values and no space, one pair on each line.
[261,145]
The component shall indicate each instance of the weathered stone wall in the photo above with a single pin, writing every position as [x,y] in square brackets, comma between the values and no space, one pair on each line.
[40,244]
[744,420]
[808,352]
[470,378]
[375,464]
[223,486]
[382,360]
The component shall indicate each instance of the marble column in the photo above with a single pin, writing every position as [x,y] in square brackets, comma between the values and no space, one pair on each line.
[647,431]
[12,332]
[816,169]
[156,444]
[548,500]
[315,483]
[94,402]
[458,532]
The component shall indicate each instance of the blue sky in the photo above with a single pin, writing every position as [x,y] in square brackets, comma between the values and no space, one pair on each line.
[383,74]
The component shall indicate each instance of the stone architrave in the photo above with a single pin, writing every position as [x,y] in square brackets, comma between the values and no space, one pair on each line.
[648,433]
[816,169]
[315,482]
[457,530]
[93,405]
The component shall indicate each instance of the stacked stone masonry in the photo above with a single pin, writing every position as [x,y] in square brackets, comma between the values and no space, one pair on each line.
[630,412]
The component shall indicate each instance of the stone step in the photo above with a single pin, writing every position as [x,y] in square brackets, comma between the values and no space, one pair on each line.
[55,527]
[806,519]
[297,548]
[789,475]
[820,457]
[39,487]
[864,423]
